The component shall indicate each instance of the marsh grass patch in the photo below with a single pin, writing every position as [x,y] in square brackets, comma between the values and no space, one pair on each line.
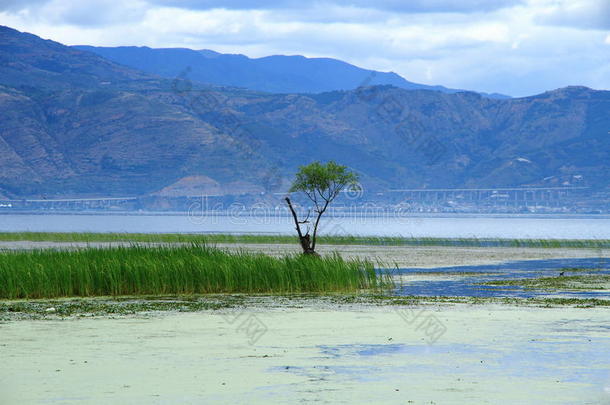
[186,269]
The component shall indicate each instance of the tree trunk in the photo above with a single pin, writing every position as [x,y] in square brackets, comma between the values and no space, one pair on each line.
[315,227]
[303,239]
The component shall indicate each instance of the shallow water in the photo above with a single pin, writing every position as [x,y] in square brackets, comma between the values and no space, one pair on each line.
[453,281]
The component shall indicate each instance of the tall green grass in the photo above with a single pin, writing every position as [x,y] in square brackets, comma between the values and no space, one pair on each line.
[190,269]
[288,239]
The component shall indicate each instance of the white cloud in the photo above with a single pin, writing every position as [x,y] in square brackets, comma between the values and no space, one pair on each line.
[410,6]
[520,50]
[585,14]
[16,5]
[77,12]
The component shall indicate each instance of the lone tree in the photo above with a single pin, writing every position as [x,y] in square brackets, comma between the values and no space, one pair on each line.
[321,183]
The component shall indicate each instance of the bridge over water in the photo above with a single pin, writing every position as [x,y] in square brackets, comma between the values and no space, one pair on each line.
[520,194]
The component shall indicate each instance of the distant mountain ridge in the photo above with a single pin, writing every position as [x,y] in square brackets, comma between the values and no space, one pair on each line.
[273,74]
[75,124]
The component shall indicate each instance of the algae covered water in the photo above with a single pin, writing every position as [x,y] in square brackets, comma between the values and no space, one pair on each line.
[364,355]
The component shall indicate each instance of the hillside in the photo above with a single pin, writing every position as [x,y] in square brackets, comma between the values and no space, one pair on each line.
[76,124]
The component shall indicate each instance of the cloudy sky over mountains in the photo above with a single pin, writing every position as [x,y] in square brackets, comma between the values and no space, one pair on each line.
[516,47]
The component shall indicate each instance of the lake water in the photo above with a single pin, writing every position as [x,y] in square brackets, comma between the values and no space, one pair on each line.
[466,281]
[524,226]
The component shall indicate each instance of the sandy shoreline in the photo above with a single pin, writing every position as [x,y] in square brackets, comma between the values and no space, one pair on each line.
[433,256]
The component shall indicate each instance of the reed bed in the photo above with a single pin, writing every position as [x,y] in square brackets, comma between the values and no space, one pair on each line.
[288,239]
[189,269]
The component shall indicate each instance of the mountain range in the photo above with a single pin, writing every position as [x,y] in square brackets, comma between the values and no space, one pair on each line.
[273,74]
[74,123]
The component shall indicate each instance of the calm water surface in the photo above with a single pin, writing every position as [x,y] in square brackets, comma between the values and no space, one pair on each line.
[583,227]
[466,281]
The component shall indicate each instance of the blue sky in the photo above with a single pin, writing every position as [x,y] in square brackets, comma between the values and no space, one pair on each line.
[516,47]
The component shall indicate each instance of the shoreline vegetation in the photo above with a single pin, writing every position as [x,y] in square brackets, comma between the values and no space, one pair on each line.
[173,272]
[33,309]
[184,269]
[290,239]
[586,282]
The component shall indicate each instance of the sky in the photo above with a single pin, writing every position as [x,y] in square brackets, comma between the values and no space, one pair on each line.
[514,47]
